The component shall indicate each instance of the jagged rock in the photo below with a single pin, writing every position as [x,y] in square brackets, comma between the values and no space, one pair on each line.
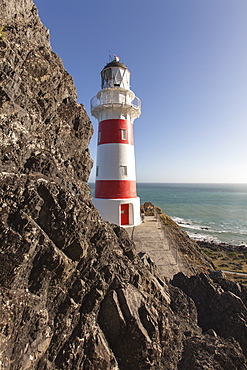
[218,307]
[124,308]
[228,285]
[125,243]
[74,293]
[43,129]
[212,353]
[148,208]
[147,260]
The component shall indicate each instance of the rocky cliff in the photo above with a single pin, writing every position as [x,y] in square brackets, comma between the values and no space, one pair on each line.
[74,293]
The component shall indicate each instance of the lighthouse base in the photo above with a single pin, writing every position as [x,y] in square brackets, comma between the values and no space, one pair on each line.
[122,212]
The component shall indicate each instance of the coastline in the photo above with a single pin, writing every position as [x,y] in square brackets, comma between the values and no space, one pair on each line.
[227,247]
[207,212]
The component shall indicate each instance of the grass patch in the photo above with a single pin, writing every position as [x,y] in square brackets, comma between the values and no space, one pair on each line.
[237,279]
[229,261]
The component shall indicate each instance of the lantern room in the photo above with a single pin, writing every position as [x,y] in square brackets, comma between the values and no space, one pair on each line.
[115,74]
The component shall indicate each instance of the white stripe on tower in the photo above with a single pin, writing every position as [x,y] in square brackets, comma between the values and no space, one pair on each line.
[123,166]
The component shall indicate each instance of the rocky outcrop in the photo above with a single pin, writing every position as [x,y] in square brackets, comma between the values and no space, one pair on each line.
[221,304]
[215,353]
[227,247]
[74,293]
[43,129]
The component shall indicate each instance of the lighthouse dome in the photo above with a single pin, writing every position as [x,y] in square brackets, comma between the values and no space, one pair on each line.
[114,75]
[115,63]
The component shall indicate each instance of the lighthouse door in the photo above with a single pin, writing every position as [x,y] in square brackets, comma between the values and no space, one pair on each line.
[124,214]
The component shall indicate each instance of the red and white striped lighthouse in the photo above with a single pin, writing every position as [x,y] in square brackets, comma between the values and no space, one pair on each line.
[116,107]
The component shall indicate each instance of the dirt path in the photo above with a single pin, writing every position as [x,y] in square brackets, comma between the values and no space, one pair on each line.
[149,238]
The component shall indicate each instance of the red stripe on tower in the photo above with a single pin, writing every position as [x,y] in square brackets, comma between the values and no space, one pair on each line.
[115,131]
[112,189]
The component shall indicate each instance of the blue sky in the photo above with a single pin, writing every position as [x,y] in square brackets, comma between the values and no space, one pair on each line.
[188,64]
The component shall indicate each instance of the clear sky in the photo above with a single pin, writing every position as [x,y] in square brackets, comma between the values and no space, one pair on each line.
[188,64]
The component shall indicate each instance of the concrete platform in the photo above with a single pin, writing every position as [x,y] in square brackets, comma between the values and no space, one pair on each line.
[149,238]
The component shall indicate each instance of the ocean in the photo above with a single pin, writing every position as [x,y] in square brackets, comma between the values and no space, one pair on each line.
[212,212]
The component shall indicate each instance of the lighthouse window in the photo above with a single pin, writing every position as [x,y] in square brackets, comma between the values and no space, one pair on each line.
[124,170]
[99,136]
[124,134]
[97,171]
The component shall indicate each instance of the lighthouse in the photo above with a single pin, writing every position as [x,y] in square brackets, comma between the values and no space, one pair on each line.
[116,107]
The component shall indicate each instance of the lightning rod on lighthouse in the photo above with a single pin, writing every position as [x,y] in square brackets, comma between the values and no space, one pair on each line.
[116,107]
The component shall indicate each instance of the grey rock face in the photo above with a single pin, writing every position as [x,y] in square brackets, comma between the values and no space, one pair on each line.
[74,293]
[214,353]
[43,129]
[220,304]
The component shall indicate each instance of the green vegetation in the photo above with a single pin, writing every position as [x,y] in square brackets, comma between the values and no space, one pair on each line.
[237,278]
[230,261]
